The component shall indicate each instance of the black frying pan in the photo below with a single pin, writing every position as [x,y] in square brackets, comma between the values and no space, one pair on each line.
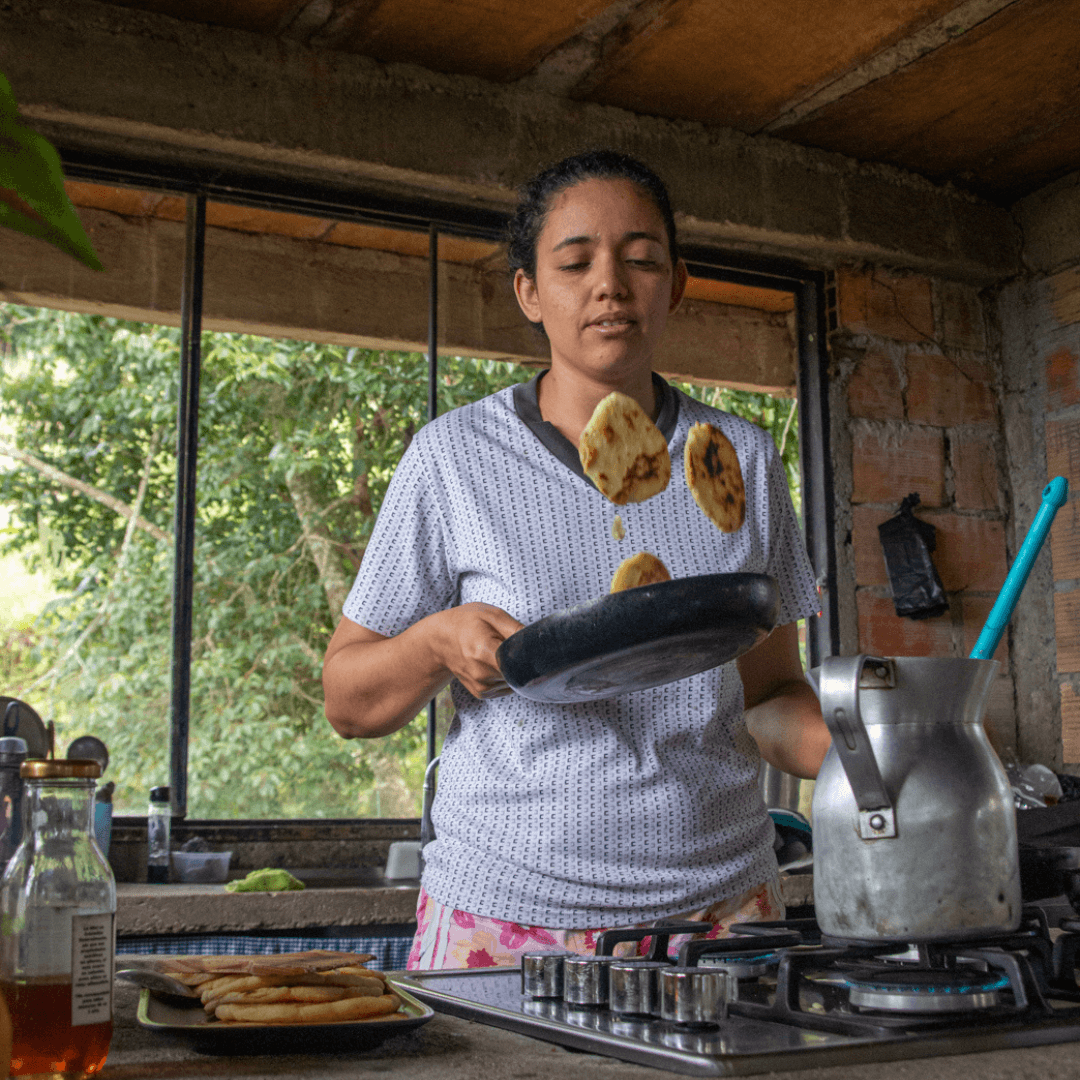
[639,638]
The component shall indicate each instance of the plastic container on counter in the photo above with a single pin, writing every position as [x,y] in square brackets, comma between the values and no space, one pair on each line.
[201,867]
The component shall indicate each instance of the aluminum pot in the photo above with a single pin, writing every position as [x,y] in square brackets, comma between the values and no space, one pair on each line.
[914,823]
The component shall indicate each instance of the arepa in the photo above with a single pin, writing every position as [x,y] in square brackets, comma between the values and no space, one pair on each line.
[714,476]
[640,569]
[623,452]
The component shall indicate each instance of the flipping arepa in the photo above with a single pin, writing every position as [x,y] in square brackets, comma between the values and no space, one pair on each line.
[714,476]
[623,452]
[639,569]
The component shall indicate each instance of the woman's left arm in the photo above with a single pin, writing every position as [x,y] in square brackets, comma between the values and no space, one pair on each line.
[783,713]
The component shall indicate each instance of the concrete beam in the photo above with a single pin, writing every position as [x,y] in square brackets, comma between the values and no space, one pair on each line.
[115,80]
[315,291]
[1050,219]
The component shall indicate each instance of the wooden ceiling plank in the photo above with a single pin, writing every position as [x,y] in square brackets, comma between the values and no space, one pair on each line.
[965,109]
[734,295]
[885,63]
[607,43]
[734,64]
[500,41]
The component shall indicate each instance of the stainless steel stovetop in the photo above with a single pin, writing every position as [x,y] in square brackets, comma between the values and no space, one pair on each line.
[787,999]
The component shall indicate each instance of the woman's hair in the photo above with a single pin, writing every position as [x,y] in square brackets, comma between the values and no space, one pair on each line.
[528,220]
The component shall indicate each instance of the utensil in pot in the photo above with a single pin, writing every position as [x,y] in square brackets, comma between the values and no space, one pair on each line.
[1053,498]
[640,638]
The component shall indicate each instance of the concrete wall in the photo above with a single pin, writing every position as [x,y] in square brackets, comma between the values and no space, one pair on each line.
[1040,345]
[315,291]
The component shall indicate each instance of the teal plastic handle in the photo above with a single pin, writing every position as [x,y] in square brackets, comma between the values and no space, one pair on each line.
[1053,498]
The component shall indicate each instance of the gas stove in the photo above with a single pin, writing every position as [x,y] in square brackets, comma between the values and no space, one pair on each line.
[780,996]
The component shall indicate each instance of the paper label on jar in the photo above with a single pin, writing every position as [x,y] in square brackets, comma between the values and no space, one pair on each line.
[92,949]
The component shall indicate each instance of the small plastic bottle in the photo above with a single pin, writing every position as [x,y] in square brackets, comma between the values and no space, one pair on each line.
[158,825]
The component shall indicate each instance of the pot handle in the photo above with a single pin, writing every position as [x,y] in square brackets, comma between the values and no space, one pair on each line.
[839,692]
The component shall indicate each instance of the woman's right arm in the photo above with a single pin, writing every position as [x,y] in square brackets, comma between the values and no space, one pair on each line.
[374,685]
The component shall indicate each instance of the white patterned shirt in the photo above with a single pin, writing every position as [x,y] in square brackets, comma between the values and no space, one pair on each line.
[622,810]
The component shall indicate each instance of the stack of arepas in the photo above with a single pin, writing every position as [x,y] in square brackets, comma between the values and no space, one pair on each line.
[316,987]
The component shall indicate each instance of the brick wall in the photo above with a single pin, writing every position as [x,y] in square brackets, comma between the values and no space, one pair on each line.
[916,399]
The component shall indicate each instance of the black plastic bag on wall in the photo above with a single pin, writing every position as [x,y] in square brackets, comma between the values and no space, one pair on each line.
[908,544]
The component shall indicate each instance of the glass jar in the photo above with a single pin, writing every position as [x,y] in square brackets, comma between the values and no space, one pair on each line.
[158,827]
[58,899]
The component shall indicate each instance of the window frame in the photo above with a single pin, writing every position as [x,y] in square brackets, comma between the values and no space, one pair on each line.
[201,183]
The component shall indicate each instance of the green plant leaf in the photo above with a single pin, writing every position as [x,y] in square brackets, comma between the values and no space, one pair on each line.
[32,196]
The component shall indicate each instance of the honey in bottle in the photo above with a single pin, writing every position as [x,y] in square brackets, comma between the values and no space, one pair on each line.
[58,902]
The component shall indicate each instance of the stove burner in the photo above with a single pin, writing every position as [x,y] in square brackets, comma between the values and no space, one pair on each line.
[742,966]
[926,991]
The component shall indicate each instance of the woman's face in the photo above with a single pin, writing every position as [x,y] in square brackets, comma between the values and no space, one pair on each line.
[604,283]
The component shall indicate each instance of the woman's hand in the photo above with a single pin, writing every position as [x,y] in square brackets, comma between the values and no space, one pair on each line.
[374,685]
[466,639]
[783,713]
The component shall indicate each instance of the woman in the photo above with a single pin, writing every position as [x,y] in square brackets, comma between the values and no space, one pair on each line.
[556,821]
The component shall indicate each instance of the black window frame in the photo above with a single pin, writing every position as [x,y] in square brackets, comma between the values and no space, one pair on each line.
[323,198]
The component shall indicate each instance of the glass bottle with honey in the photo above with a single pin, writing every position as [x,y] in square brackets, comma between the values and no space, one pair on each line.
[58,906]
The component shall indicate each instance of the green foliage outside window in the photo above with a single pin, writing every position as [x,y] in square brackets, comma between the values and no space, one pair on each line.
[297,442]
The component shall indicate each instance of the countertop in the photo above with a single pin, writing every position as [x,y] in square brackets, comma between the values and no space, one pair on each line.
[447,1048]
[200,909]
[193,909]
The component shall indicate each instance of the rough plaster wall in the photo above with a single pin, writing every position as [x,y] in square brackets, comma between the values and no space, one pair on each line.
[1038,317]
[1050,220]
[179,91]
[280,286]
[1031,633]
[844,355]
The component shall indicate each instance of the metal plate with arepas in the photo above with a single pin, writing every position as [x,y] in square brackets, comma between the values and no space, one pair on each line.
[188,1020]
[640,638]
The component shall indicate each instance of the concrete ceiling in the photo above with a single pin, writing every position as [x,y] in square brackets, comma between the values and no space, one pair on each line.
[984,94]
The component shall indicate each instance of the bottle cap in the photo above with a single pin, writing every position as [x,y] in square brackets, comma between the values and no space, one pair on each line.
[61,769]
[160,794]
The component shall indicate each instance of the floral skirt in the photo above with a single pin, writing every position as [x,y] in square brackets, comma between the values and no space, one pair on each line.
[447,938]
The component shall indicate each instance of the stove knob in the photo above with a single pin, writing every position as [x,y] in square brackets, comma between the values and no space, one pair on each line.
[634,988]
[585,979]
[699,996]
[542,974]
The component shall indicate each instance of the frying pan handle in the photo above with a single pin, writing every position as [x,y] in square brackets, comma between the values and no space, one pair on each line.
[839,683]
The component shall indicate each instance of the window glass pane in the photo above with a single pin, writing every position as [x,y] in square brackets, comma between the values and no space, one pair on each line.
[777,414]
[301,427]
[87,480]
[297,443]
[314,381]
